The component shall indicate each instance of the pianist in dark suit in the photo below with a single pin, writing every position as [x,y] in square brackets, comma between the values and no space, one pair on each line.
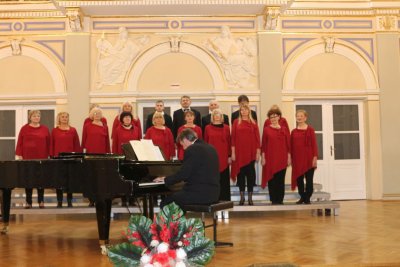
[179,115]
[199,171]
[33,143]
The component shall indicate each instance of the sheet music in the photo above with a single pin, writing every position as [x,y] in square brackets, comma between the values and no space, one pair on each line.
[145,150]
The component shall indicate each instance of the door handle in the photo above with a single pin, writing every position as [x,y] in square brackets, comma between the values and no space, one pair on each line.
[332,150]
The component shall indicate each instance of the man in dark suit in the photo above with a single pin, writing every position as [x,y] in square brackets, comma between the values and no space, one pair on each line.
[160,108]
[206,120]
[242,100]
[179,115]
[199,171]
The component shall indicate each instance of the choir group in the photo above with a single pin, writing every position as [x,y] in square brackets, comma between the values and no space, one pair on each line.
[238,148]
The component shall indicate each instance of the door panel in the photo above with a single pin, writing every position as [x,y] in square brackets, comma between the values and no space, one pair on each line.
[341,163]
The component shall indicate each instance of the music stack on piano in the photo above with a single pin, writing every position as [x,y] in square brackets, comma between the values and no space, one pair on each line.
[99,177]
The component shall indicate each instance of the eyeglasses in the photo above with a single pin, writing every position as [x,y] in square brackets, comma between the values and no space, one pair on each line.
[273,116]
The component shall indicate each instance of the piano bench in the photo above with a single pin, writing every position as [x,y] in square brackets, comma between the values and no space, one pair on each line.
[211,209]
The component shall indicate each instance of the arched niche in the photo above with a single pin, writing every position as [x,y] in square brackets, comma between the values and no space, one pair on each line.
[34,69]
[345,69]
[191,64]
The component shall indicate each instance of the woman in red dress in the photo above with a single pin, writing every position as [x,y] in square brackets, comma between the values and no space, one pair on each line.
[275,156]
[218,135]
[95,138]
[245,152]
[189,118]
[124,133]
[282,121]
[304,157]
[161,136]
[64,138]
[89,120]
[127,107]
[33,143]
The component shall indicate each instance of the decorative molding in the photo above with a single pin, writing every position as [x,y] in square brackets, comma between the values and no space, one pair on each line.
[75,19]
[365,66]
[358,42]
[173,24]
[352,24]
[56,47]
[328,12]
[31,14]
[29,26]
[301,24]
[164,48]
[386,23]
[289,45]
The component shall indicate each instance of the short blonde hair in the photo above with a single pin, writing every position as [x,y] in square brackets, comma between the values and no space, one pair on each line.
[158,115]
[33,112]
[127,103]
[93,111]
[58,122]
[217,111]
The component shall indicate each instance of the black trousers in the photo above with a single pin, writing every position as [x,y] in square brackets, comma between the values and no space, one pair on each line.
[225,185]
[29,191]
[249,172]
[60,196]
[276,187]
[306,193]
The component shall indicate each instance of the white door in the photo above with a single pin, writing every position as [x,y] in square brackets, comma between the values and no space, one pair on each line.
[340,137]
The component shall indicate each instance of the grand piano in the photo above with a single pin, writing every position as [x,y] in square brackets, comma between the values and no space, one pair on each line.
[99,177]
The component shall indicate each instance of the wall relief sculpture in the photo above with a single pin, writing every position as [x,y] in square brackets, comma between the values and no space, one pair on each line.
[114,61]
[236,56]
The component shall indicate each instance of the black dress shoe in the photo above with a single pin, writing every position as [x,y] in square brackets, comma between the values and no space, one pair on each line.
[300,201]
[70,204]
[59,204]
[307,202]
[241,203]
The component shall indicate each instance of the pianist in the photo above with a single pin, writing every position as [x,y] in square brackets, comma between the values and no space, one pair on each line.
[199,171]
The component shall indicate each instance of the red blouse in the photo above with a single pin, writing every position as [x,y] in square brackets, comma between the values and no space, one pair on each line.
[95,138]
[303,150]
[246,141]
[282,122]
[64,141]
[275,146]
[88,120]
[162,138]
[219,136]
[197,129]
[33,142]
[123,136]
[135,123]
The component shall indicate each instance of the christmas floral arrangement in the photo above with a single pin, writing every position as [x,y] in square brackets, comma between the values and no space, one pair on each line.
[170,240]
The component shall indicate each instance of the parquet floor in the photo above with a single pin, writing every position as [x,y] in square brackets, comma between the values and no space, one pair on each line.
[366,233]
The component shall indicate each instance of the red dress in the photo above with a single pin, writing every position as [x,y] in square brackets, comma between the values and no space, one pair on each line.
[64,141]
[197,129]
[123,136]
[246,140]
[282,122]
[135,123]
[33,142]
[219,136]
[95,138]
[275,146]
[162,138]
[303,150]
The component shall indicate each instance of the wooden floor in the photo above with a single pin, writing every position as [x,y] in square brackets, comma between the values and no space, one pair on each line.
[366,233]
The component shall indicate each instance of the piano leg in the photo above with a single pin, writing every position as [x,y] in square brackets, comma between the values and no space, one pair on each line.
[5,209]
[145,206]
[103,213]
